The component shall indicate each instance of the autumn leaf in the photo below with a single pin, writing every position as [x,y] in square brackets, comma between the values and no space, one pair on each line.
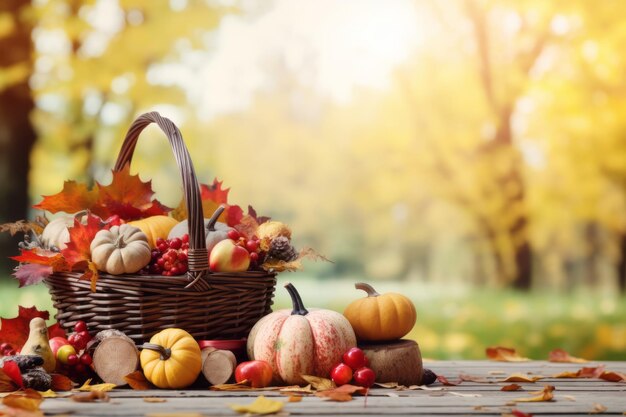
[154,400]
[11,370]
[61,383]
[560,355]
[319,383]
[342,393]
[42,257]
[613,376]
[73,198]
[21,226]
[585,372]
[511,387]
[28,400]
[29,274]
[504,354]
[90,397]
[6,383]
[78,252]
[544,395]
[445,381]
[137,381]
[212,197]
[239,386]
[126,196]
[247,226]
[474,378]
[294,399]
[598,409]
[48,394]
[260,406]
[15,331]
[521,378]
[98,387]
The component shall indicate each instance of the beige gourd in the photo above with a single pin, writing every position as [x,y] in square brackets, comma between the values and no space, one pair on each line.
[122,249]
[38,344]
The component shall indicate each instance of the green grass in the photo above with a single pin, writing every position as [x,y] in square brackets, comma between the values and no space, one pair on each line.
[454,322]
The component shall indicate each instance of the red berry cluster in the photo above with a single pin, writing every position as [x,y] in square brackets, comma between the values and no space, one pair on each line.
[354,366]
[251,245]
[7,350]
[78,340]
[169,257]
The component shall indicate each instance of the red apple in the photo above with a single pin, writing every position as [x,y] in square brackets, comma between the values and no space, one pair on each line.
[56,343]
[226,256]
[259,373]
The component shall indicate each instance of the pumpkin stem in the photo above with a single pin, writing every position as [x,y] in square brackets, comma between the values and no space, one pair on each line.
[371,292]
[213,219]
[298,305]
[119,242]
[165,352]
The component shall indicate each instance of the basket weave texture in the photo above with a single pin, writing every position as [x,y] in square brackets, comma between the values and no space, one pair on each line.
[207,305]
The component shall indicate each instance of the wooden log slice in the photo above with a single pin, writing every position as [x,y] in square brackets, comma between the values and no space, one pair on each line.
[218,366]
[396,361]
[114,356]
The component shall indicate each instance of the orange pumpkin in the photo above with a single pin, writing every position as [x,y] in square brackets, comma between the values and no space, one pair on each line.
[380,317]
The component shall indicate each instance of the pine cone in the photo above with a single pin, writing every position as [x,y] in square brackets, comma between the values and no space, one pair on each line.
[281,249]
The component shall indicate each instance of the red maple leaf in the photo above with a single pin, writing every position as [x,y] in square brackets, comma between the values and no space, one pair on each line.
[11,370]
[214,192]
[15,331]
[78,252]
[128,197]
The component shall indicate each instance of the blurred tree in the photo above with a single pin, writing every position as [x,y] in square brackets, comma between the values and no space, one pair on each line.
[17,134]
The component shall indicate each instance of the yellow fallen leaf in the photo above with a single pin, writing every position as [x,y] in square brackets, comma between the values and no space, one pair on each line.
[521,378]
[154,400]
[261,405]
[96,388]
[298,390]
[320,384]
[545,395]
[598,409]
[48,394]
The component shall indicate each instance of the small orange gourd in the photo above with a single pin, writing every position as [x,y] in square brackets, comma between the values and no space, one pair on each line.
[155,227]
[380,317]
[172,359]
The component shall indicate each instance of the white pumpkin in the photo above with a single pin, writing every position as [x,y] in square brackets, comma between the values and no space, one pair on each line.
[56,233]
[120,250]
[214,231]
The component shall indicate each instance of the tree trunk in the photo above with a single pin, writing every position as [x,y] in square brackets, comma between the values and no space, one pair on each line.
[17,135]
[621,266]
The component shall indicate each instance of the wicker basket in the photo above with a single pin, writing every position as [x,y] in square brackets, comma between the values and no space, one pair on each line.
[207,305]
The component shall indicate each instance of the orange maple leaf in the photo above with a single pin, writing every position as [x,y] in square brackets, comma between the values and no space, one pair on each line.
[78,252]
[127,196]
[212,197]
[560,355]
[504,354]
[73,198]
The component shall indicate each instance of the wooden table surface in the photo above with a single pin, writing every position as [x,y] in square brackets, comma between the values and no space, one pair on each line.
[571,396]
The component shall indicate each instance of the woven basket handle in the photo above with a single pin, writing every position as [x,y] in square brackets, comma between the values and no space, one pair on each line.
[197,254]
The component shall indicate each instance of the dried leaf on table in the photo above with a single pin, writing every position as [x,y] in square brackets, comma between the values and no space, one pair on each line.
[511,387]
[586,372]
[462,394]
[342,393]
[544,395]
[504,354]
[154,400]
[61,383]
[96,388]
[298,389]
[137,381]
[521,378]
[613,376]
[598,409]
[388,385]
[475,378]
[560,355]
[90,397]
[28,400]
[319,383]
[424,387]
[294,398]
[446,382]
[261,406]
[516,413]
[239,386]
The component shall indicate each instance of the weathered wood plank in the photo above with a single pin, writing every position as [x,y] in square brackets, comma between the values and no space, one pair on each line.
[571,397]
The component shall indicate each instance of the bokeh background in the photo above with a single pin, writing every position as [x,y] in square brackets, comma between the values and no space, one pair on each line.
[468,153]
